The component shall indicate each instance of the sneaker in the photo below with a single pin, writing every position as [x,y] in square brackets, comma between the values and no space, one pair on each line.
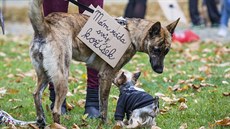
[223,31]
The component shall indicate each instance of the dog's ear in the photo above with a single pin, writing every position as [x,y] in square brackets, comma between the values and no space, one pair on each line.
[171,27]
[121,79]
[136,76]
[155,29]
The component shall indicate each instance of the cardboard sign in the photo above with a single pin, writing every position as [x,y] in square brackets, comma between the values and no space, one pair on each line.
[172,10]
[105,37]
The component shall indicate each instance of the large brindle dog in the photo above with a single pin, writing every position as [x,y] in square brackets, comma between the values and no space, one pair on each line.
[55,43]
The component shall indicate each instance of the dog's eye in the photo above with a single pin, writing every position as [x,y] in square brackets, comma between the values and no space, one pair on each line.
[166,51]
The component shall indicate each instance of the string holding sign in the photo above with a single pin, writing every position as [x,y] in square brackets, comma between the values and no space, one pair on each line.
[105,36]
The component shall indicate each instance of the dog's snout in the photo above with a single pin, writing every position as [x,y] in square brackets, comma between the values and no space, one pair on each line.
[158,69]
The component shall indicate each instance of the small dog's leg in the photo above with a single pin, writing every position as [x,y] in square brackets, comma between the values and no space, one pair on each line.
[61,89]
[41,85]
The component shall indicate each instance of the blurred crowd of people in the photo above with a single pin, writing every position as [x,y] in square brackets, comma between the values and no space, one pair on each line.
[218,13]
[218,16]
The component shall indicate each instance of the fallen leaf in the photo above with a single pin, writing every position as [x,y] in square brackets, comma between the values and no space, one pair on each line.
[69,106]
[202,127]
[155,127]
[15,100]
[81,103]
[223,122]
[55,126]
[2,90]
[69,94]
[226,94]
[117,127]
[225,82]
[75,126]
[82,91]
[182,100]
[84,117]
[183,106]
[183,126]
[12,91]
[16,107]
[33,126]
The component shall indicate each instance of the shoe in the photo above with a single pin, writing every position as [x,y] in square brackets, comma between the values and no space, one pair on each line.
[92,103]
[52,99]
[223,31]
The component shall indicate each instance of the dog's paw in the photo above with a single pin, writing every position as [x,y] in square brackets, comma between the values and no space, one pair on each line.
[120,123]
[41,123]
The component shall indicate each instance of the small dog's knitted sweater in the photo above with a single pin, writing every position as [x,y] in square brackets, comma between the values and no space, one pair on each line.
[129,100]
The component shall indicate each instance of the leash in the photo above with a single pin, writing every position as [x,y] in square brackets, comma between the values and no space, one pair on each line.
[81,5]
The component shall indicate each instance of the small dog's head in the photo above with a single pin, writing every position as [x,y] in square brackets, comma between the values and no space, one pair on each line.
[124,77]
[158,43]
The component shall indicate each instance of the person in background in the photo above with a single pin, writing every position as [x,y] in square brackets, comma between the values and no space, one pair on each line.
[136,9]
[213,13]
[225,15]
[92,101]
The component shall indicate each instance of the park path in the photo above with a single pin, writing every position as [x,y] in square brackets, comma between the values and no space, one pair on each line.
[207,33]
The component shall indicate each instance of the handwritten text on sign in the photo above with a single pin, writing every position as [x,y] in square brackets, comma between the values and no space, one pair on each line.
[105,36]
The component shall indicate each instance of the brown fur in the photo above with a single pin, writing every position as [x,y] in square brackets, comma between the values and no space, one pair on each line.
[55,43]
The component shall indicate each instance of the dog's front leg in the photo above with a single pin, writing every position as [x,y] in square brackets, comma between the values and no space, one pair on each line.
[105,82]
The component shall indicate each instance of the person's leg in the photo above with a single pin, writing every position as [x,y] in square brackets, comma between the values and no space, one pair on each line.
[139,9]
[95,3]
[194,13]
[50,6]
[213,12]
[225,14]
[92,99]
[129,9]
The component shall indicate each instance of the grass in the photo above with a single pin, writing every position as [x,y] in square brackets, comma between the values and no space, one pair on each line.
[184,66]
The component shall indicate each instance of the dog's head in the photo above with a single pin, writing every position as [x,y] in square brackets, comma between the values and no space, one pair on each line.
[124,77]
[157,44]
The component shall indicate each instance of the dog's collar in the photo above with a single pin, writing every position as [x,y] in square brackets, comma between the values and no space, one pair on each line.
[91,58]
[127,86]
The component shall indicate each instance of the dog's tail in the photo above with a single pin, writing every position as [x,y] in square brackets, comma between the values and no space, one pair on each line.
[37,17]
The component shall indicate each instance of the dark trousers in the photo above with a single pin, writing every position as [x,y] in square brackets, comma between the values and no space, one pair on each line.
[135,9]
[194,12]
[213,12]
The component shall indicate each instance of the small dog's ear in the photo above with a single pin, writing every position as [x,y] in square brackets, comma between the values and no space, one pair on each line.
[155,29]
[171,27]
[121,79]
[136,76]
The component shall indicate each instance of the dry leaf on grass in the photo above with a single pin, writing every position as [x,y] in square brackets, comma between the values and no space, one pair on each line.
[81,103]
[155,127]
[117,127]
[33,126]
[202,127]
[184,126]
[183,106]
[226,94]
[55,126]
[75,126]
[69,106]
[224,122]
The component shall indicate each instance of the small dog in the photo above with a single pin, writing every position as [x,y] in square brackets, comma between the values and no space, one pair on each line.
[55,43]
[140,107]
